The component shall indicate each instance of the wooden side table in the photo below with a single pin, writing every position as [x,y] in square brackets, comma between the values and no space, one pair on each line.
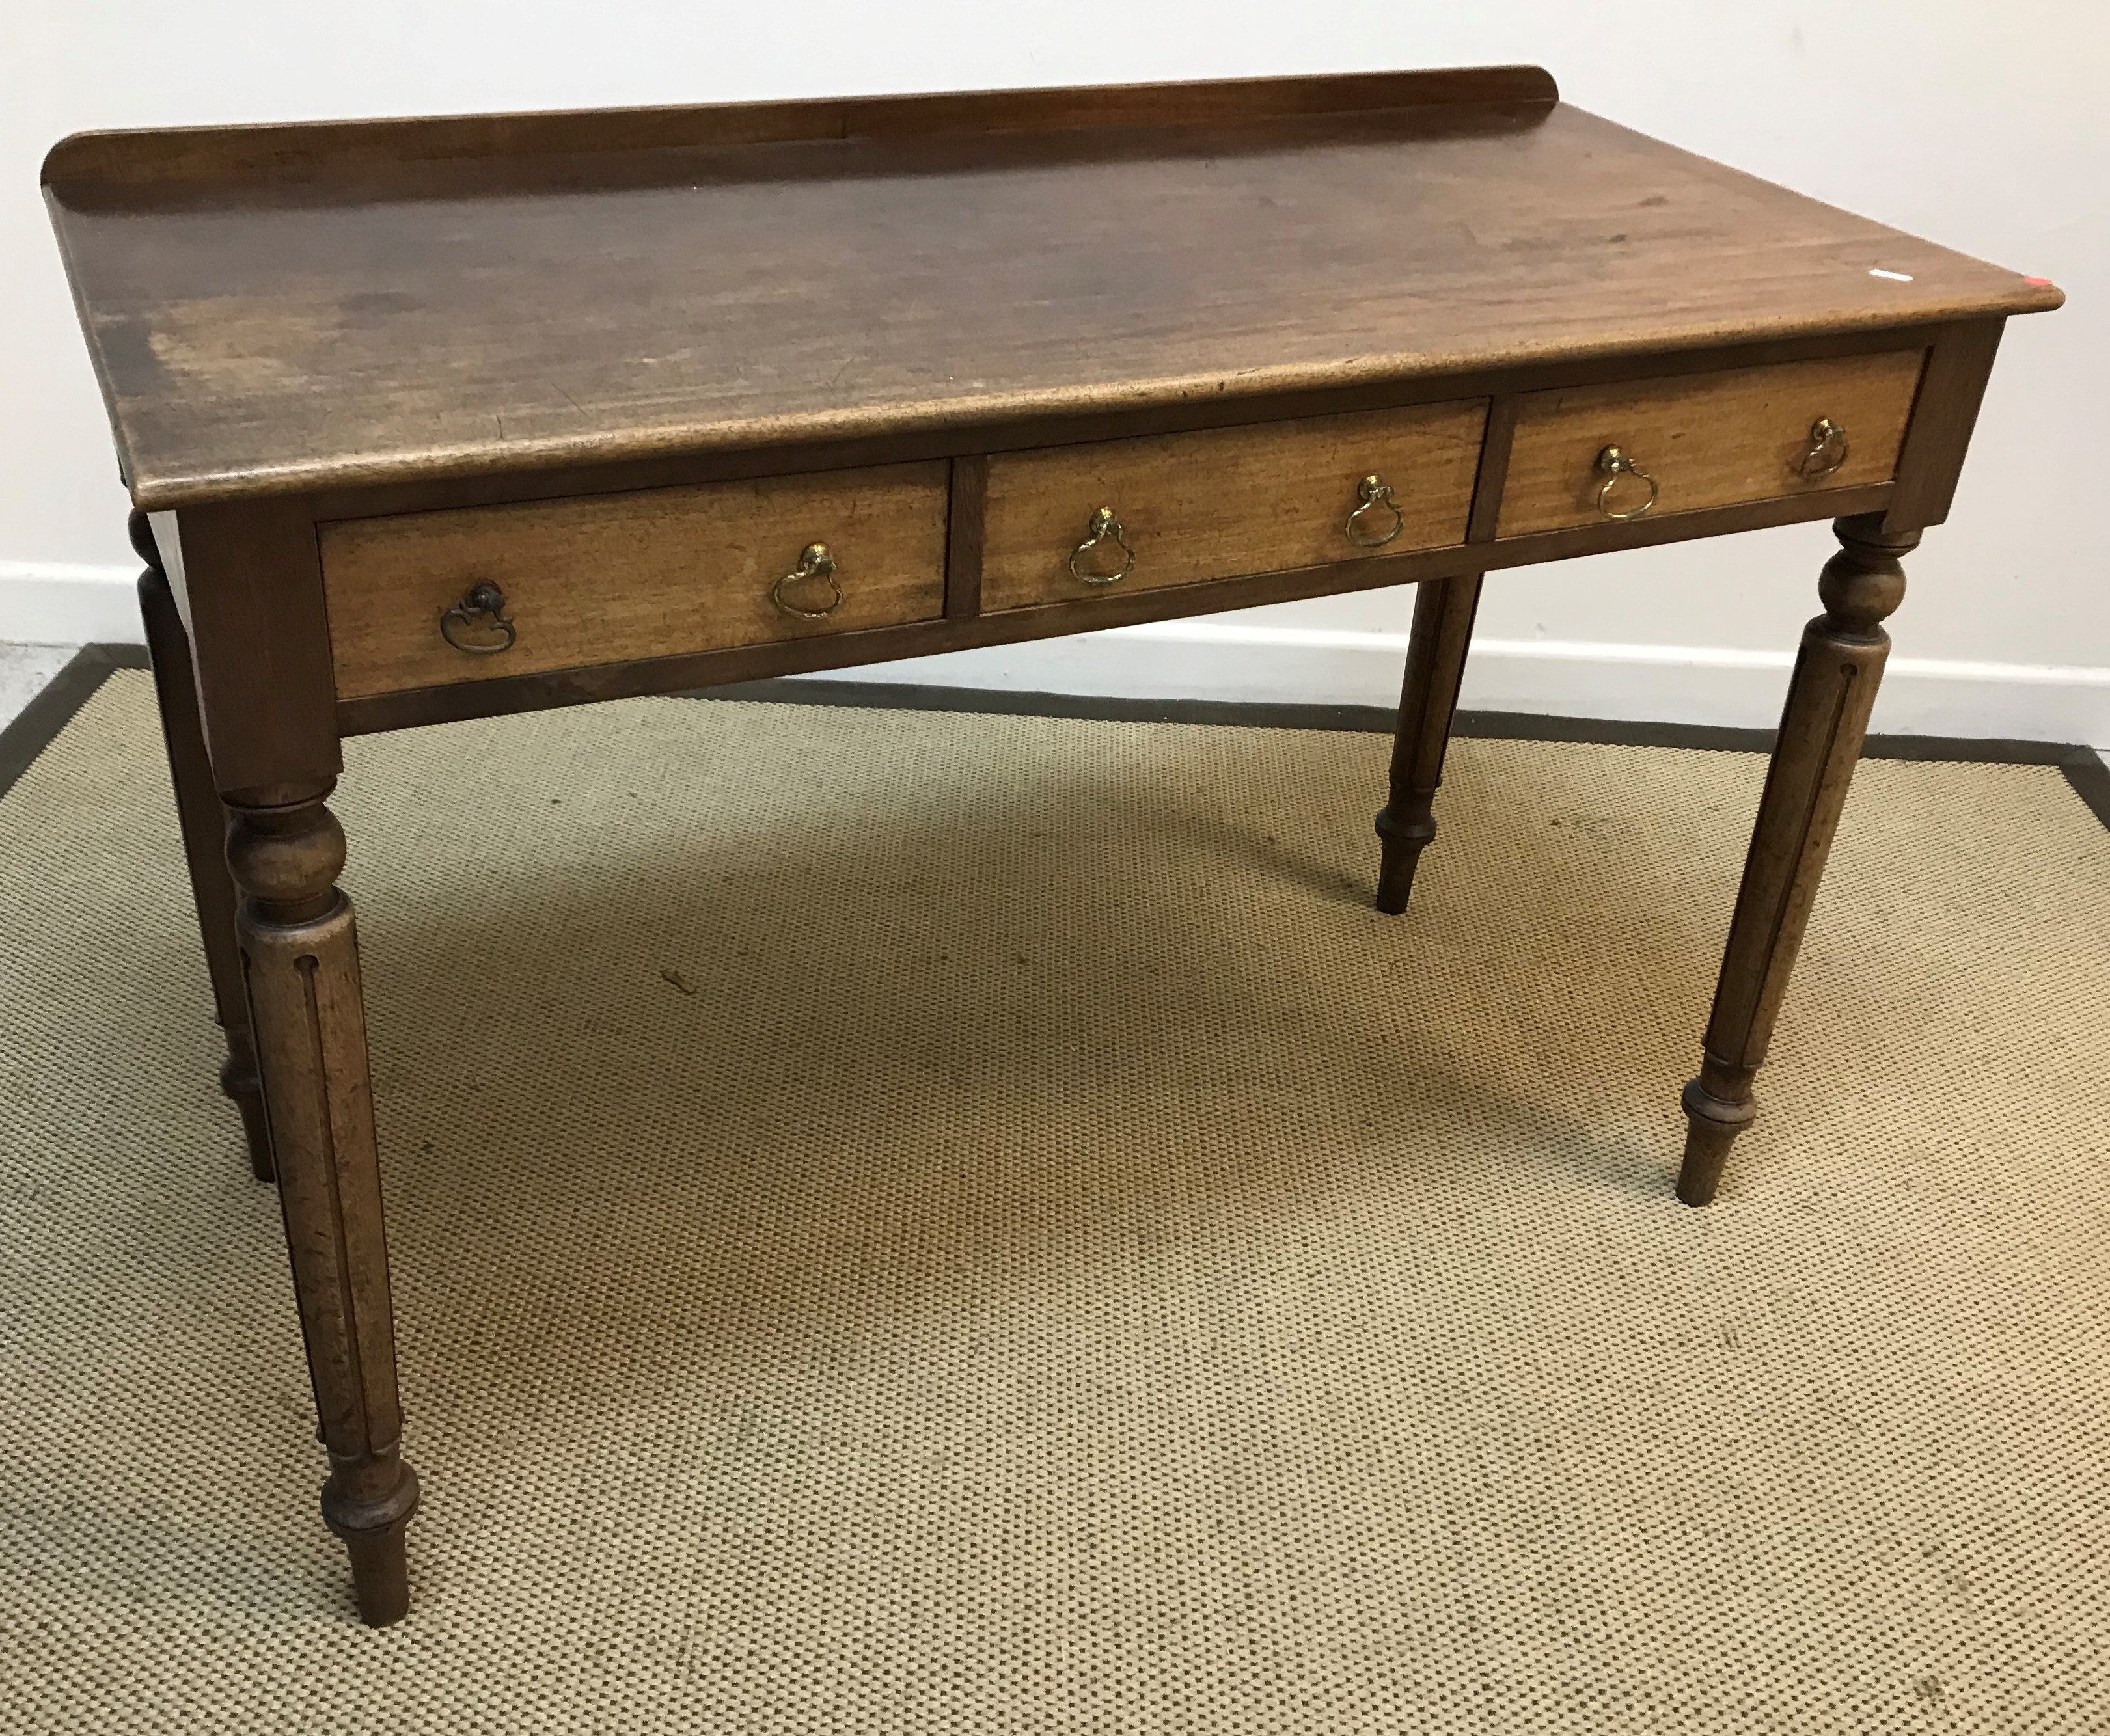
[444,419]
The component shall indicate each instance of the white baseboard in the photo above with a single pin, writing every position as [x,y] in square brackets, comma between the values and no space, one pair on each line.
[1665,683]
[42,604]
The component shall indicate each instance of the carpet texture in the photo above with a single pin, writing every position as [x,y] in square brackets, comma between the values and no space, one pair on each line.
[927,1224]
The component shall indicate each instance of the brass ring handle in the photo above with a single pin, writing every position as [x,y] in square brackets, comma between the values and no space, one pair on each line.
[814,562]
[486,602]
[1105,528]
[1612,464]
[1374,492]
[1827,451]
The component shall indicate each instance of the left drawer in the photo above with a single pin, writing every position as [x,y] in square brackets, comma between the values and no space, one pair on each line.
[423,599]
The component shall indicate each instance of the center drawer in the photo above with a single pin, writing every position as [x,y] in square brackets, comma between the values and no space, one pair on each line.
[1067,523]
[606,578]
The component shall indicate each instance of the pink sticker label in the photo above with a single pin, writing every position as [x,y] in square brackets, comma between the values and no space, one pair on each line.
[2038,283]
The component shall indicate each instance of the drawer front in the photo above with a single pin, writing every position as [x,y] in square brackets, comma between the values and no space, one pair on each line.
[1226,501]
[1706,439]
[607,578]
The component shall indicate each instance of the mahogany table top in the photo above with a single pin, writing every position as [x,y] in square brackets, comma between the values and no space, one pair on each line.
[275,310]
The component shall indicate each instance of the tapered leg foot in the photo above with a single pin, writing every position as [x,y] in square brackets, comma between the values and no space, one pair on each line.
[372,1533]
[1443,611]
[1712,1125]
[1829,698]
[1401,841]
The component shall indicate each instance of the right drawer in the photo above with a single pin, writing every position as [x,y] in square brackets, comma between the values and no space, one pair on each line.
[1655,447]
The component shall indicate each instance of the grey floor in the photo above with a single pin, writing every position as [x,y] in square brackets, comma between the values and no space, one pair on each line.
[24,670]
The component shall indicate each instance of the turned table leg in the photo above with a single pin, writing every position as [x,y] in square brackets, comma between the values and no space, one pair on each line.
[203,823]
[1833,689]
[1443,611]
[301,960]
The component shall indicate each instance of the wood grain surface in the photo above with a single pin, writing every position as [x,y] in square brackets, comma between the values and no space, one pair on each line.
[651,574]
[585,292]
[1959,362]
[589,684]
[1710,440]
[438,150]
[1209,505]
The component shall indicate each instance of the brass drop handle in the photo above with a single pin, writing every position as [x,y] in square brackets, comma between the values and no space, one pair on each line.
[1827,450]
[481,612]
[1375,494]
[1612,464]
[816,563]
[1105,529]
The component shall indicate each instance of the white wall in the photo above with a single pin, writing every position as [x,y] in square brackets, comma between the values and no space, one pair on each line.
[1979,126]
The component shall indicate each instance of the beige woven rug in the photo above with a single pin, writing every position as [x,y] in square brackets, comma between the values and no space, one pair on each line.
[925,1224]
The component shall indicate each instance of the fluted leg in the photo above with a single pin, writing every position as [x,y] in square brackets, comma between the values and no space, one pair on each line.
[1827,715]
[301,962]
[203,823]
[1443,611]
